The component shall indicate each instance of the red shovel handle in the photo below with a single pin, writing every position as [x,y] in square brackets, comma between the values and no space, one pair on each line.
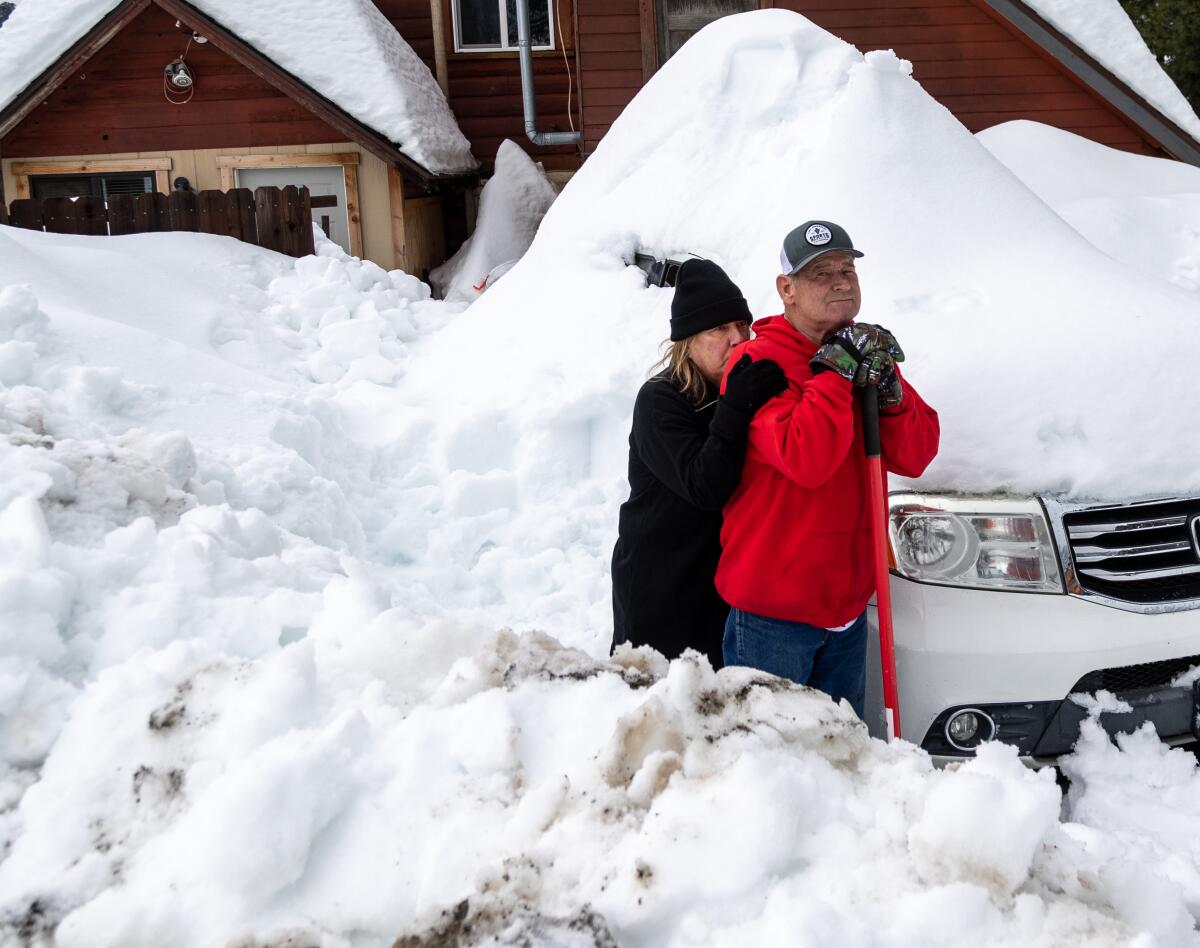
[876,487]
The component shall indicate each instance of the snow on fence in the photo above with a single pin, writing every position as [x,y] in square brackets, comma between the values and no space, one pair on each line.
[275,218]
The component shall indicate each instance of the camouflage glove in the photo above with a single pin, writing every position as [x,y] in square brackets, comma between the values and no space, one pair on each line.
[891,391]
[869,337]
[842,354]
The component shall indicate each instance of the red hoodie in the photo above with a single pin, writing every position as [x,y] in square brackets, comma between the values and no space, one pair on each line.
[796,541]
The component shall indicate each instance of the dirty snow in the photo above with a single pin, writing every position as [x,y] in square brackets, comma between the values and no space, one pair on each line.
[303,575]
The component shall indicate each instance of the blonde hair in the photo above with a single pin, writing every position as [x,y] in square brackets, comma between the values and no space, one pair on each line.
[681,371]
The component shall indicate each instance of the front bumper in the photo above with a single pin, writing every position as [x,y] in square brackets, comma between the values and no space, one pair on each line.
[1024,653]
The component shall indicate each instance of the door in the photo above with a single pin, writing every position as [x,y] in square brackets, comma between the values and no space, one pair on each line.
[679,20]
[326,187]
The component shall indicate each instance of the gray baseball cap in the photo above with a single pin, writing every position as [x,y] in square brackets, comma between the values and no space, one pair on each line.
[809,241]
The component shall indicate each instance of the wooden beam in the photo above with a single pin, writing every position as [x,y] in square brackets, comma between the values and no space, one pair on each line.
[649,39]
[437,13]
[287,160]
[91,166]
[370,140]
[353,212]
[399,237]
[68,64]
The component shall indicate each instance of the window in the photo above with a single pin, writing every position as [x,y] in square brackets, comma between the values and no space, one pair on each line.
[94,185]
[491,25]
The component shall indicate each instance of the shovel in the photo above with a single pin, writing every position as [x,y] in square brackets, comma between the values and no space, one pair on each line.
[869,402]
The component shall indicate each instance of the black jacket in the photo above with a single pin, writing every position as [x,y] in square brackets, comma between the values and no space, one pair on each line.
[684,463]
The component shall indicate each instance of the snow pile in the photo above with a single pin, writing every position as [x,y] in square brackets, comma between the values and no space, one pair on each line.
[767,121]
[1103,29]
[1140,210]
[362,64]
[513,202]
[283,543]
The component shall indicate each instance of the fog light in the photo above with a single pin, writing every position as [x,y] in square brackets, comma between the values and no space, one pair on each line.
[969,728]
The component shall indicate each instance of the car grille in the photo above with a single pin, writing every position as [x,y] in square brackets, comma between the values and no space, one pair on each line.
[1132,677]
[1142,553]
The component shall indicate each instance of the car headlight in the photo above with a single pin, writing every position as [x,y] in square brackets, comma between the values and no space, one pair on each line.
[985,542]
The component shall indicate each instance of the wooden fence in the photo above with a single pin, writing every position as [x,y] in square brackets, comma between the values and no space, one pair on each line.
[276,218]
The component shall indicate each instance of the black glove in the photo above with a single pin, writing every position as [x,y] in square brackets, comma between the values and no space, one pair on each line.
[842,354]
[752,384]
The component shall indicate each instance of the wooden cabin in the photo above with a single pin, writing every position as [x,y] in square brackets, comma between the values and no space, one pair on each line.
[97,117]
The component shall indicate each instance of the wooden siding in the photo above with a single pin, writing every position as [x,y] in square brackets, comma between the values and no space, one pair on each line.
[976,65]
[485,88]
[610,62]
[116,103]
[982,69]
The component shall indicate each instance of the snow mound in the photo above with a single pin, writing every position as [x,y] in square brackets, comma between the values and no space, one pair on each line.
[1139,210]
[357,60]
[763,121]
[1105,31]
[304,607]
[513,202]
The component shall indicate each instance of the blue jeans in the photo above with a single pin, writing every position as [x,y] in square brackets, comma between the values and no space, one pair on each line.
[832,662]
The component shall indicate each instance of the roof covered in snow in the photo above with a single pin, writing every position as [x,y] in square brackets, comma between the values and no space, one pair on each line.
[1103,29]
[345,50]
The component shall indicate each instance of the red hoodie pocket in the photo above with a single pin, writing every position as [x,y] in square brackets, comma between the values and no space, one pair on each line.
[820,579]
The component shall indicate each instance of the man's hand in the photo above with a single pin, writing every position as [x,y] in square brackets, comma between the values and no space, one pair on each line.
[891,391]
[870,338]
[752,384]
[856,355]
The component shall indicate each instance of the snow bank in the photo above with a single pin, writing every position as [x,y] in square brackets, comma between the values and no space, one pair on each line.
[283,545]
[1139,210]
[1104,30]
[765,121]
[349,53]
[513,202]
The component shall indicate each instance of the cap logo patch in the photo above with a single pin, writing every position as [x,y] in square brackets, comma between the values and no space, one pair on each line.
[818,234]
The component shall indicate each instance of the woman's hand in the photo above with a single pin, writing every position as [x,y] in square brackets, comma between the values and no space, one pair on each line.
[752,384]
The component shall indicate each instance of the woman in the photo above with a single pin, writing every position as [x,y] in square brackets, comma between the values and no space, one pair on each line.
[685,458]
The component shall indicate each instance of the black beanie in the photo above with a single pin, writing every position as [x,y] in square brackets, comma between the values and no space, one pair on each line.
[705,298]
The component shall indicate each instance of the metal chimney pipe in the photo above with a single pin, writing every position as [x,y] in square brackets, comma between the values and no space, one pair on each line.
[525,48]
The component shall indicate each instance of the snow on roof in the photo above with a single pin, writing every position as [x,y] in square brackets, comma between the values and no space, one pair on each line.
[346,50]
[762,121]
[37,32]
[1103,29]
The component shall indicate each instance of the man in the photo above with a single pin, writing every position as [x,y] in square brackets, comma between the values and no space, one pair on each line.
[796,560]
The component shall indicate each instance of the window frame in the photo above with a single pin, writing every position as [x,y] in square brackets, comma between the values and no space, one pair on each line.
[508,44]
[22,171]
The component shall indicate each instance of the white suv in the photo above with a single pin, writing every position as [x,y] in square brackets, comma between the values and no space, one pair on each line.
[1003,606]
